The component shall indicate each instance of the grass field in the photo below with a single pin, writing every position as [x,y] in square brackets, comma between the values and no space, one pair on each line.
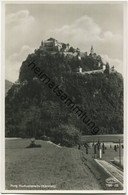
[62,168]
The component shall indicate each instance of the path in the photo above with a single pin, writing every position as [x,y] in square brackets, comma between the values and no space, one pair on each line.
[111,170]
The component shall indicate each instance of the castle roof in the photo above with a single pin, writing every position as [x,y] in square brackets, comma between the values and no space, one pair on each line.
[51,39]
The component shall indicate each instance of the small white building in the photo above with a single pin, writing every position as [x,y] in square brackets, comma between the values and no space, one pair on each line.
[80,69]
[99,64]
[79,57]
[35,78]
[104,66]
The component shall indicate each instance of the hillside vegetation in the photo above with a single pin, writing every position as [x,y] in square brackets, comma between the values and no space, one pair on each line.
[32,109]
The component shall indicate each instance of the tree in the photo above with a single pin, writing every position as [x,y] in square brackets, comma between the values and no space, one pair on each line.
[66,135]
[107,70]
[72,50]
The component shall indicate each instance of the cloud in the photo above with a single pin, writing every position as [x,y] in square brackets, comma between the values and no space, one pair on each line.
[109,36]
[19,30]
[85,32]
[84,29]
[14,61]
[19,17]
[24,32]
[21,39]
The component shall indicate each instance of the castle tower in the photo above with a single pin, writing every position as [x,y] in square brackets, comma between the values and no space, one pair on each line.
[42,43]
[91,50]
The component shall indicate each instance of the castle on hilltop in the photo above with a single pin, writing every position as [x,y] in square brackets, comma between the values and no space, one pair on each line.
[101,67]
[53,46]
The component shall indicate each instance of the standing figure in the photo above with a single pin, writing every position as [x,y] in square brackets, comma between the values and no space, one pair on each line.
[98,145]
[115,148]
[79,147]
[95,149]
[103,148]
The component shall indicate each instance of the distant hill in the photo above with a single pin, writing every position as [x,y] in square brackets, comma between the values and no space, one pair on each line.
[8,85]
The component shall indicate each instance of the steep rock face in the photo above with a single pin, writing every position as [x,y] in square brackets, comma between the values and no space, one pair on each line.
[33,106]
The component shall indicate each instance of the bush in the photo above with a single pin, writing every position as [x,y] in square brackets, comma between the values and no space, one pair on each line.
[66,135]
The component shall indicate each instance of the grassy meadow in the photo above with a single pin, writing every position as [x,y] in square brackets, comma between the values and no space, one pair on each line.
[52,167]
[60,167]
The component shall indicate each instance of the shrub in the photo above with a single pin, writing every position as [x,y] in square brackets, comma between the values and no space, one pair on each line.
[66,135]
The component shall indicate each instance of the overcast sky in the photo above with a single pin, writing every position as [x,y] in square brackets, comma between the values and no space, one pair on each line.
[80,25]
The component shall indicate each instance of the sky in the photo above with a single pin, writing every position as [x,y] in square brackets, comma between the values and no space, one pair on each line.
[80,25]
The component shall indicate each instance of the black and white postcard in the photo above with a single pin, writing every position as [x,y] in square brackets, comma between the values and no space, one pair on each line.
[64,97]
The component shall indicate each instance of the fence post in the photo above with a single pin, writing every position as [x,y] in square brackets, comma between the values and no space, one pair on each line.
[100,152]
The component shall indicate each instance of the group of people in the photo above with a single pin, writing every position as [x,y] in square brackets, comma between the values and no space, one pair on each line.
[117,146]
[97,146]
[85,145]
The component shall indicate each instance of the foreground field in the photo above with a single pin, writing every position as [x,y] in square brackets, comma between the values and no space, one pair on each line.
[57,168]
